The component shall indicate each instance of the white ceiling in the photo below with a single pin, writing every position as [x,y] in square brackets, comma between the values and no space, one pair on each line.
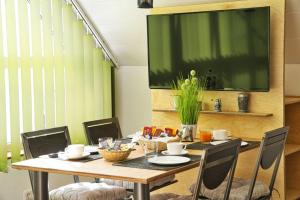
[123,26]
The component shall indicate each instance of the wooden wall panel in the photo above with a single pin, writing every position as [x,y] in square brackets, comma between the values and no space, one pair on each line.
[292,119]
[260,102]
[293,172]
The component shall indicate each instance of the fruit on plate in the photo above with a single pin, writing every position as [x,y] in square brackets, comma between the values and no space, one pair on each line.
[172,132]
[157,133]
[152,131]
[148,130]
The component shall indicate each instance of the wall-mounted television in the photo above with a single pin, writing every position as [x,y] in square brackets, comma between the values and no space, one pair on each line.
[230,48]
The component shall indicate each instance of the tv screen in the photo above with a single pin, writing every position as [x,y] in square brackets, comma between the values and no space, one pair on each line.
[230,48]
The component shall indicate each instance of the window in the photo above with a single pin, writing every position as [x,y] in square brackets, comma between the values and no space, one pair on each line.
[51,72]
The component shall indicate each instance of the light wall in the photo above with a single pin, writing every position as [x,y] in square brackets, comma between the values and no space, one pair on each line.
[133,100]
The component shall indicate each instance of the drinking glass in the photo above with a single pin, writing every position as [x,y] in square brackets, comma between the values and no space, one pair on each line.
[156,147]
[109,141]
[145,147]
[205,135]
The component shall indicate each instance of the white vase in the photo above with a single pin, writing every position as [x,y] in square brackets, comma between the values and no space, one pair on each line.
[189,131]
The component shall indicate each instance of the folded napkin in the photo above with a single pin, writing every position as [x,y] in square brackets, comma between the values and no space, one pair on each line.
[223,141]
[218,142]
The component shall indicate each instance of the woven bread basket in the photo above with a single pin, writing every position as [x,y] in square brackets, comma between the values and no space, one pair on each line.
[114,156]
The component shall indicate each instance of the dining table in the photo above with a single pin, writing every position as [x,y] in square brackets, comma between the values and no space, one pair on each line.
[130,170]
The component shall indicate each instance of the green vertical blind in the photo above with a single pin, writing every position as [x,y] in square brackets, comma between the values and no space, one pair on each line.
[52,72]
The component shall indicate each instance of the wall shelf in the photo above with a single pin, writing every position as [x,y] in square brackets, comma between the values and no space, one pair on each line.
[222,113]
[291,100]
[291,148]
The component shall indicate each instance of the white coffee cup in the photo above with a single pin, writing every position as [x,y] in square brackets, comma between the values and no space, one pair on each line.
[75,150]
[175,147]
[220,134]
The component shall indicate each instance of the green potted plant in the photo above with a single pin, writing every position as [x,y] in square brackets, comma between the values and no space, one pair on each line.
[189,95]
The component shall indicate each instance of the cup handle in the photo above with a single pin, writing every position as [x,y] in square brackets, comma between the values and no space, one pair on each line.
[184,147]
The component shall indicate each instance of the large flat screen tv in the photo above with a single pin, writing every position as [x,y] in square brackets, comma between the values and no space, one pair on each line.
[230,48]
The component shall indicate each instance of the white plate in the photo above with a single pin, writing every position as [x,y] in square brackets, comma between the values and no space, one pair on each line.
[71,157]
[166,153]
[244,143]
[169,160]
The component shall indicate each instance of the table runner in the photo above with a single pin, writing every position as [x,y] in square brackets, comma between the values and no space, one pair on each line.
[203,146]
[142,163]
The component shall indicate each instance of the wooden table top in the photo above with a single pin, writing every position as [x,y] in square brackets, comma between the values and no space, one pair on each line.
[102,169]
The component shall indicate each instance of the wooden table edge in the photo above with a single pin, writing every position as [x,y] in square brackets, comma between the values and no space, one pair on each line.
[95,175]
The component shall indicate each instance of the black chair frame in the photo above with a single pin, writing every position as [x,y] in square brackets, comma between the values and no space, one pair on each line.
[28,152]
[270,153]
[220,160]
[102,122]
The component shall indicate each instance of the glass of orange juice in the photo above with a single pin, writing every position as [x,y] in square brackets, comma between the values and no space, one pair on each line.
[205,135]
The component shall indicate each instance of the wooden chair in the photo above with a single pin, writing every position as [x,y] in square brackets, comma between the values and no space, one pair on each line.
[217,164]
[48,141]
[270,153]
[110,128]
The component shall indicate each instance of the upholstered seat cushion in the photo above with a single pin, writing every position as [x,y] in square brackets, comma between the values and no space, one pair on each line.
[130,185]
[86,191]
[239,190]
[170,196]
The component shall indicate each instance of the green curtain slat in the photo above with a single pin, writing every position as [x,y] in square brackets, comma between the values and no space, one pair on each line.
[107,89]
[70,74]
[13,80]
[3,137]
[98,84]
[59,63]
[78,63]
[48,63]
[89,96]
[25,66]
[37,64]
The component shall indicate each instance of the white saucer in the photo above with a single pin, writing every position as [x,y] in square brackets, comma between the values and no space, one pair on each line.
[77,157]
[166,153]
[169,160]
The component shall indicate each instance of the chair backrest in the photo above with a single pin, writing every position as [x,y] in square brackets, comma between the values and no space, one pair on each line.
[217,163]
[271,149]
[42,142]
[102,128]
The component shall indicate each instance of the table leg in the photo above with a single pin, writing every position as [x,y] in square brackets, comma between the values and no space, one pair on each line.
[40,185]
[141,191]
